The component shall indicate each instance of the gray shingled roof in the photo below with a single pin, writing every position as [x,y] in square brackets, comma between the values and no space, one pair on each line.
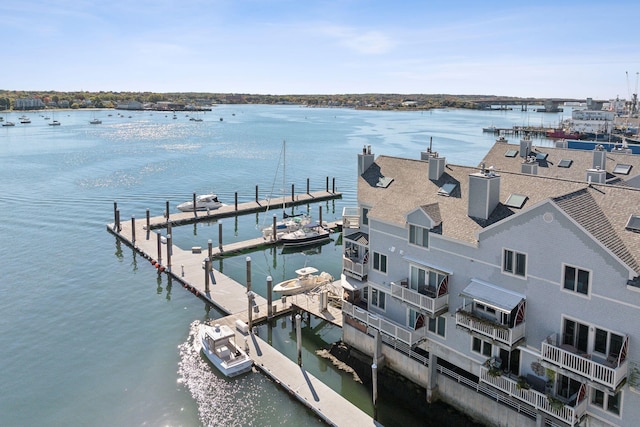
[411,189]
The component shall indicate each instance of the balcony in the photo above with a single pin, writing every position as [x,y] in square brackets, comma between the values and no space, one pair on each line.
[351,217]
[609,372]
[425,299]
[571,412]
[355,268]
[487,328]
[392,329]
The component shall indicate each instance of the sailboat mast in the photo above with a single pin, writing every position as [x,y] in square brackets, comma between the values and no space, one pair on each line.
[284,174]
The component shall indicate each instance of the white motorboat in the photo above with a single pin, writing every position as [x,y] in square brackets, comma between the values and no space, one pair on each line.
[204,202]
[95,122]
[288,224]
[219,345]
[306,281]
[7,124]
[306,235]
[54,123]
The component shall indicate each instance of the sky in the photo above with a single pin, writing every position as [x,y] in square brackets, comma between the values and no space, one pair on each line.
[542,48]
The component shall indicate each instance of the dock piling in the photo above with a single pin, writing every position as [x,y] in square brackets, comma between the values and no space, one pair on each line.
[118,227]
[374,381]
[207,269]
[307,185]
[169,244]
[274,236]
[333,183]
[269,298]
[236,201]
[210,248]
[220,237]
[159,240]
[194,203]
[327,185]
[293,193]
[133,230]
[249,293]
[320,214]
[299,338]
[148,221]
[256,193]
[167,210]
[115,212]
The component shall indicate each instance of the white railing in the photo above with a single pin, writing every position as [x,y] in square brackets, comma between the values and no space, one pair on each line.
[496,332]
[350,217]
[568,414]
[423,302]
[394,330]
[582,364]
[359,269]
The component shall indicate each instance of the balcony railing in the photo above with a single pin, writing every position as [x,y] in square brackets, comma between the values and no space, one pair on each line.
[354,268]
[610,372]
[489,329]
[351,217]
[430,303]
[392,329]
[567,413]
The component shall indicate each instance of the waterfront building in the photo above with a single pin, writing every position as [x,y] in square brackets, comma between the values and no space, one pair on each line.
[511,291]
[28,104]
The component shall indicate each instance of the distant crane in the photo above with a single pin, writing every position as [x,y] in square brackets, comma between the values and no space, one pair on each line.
[633,110]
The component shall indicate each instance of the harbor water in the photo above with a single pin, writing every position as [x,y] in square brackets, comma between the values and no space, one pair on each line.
[92,335]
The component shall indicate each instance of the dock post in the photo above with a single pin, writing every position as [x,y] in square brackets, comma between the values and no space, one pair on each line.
[207,268]
[293,193]
[256,193]
[148,220]
[168,228]
[169,246]
[194,203]
[249,293]
[220,237]
[333,185]
[307,185]
[115,214]
[269,298]
[320,214]
[299,338]
[432,377]
[327,186]
[374,381]
[159,238]
[167,210]
[133,230]
[274,235]
[210,247]
[236,201]
[117,225]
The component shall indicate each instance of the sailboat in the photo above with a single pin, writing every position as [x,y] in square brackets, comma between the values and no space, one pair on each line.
[54,122]
[288,223]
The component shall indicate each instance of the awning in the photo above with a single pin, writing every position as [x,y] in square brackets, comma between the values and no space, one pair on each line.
[426,264]
[493,296]
[350,283]
[358,237]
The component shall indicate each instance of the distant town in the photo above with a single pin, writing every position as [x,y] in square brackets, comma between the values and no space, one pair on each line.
[37,100]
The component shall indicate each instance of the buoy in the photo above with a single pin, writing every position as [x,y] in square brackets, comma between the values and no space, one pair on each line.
[161,268]
[154,262]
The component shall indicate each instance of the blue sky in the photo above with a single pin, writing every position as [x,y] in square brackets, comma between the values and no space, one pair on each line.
[572,49]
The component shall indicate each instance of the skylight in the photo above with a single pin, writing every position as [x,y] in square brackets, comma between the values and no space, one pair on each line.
[516,201]
[541,156]
[447,189]
[384,181]
[634,223]
[622,169]
[565,163]
[511,153]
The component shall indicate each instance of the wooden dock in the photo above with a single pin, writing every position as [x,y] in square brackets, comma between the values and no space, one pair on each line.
[231,297]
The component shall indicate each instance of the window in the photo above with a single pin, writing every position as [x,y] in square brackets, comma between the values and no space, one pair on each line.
[576,280]
[516,201]
[481,347]
[419,236]
[514,263]
[511,153]
[365,216]
[565,163]
[437,325]
[425,281]
[378,298]
[380,262]
[622,169]
[607,343]
[609,401]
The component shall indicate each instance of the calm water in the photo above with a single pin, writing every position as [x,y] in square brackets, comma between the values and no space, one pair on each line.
[89,333]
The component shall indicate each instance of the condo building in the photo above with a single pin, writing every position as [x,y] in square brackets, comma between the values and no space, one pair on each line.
[510,290]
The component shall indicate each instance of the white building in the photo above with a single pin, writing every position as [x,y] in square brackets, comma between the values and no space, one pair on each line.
[28,104]
[511,292]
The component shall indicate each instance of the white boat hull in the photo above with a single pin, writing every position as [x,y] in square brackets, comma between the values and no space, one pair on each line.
[222,351]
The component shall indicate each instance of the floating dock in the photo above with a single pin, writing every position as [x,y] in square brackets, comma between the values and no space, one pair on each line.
[231,297]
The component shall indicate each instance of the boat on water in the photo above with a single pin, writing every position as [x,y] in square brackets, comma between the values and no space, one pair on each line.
[7,124]
[491,129]
[307,280]
[306,235]
[562,134]
[54,123]
[219,345]
[95,122]
[204,202]
[502,139]
[25,120]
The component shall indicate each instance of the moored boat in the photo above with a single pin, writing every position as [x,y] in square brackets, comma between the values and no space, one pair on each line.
[306,235]
[219,345]
[306,281]
[204,202]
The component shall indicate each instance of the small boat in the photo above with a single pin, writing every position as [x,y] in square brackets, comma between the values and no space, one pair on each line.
[502,139]
[54,123]
[6,124]
[218,344]
[306,235]
[205,202]
[306,281]
[491,129]
[95,122]
[25,120]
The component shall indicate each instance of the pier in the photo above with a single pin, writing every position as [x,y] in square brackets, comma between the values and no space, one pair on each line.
[192,268]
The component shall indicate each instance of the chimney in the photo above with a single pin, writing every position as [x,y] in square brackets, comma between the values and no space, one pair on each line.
[525,147]
[484,193]
[436,167]
[596,176]
[599,158]
[529,166]
[365,159]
